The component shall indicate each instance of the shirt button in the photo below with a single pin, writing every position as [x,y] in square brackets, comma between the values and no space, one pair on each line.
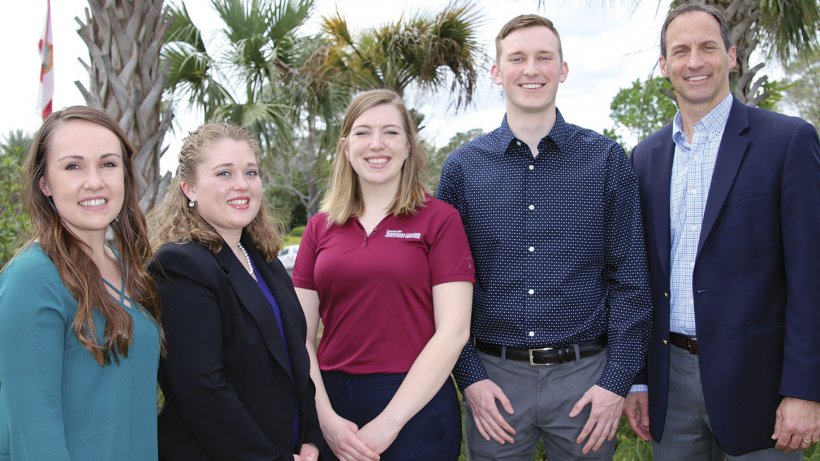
[693,191]
[531,249]
[531,291]
[693,228]
[518,143]
[531,167]
[531,334]
[531,207]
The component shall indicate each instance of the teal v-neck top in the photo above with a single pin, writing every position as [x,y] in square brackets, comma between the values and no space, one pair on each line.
[56,402]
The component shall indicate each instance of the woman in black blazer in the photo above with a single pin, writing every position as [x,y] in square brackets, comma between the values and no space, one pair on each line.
[236,377]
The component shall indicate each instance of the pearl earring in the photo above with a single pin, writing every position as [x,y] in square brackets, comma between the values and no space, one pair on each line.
[191,203]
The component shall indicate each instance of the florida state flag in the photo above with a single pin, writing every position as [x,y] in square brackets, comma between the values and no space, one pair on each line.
[47,68]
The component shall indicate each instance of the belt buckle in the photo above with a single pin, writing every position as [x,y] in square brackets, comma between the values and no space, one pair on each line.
[544,349]
[689,343]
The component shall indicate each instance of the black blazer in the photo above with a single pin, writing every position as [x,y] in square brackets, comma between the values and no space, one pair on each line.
[231,391]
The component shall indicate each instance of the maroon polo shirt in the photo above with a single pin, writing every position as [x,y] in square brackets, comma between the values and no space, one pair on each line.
[376,291]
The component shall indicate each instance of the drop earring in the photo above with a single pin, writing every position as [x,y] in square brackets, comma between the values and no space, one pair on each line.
[191,203]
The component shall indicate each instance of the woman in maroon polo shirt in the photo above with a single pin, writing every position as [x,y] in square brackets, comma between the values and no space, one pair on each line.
[388,269]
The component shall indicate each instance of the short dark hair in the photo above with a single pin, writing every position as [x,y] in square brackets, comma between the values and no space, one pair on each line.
[691,8]
[521,22]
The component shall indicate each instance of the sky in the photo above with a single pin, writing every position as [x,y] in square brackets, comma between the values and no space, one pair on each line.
[607,45]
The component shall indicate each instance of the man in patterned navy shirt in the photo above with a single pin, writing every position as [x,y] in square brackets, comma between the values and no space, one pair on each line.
[561,303]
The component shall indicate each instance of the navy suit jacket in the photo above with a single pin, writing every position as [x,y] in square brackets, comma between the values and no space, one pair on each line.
[756,270]
[231,389]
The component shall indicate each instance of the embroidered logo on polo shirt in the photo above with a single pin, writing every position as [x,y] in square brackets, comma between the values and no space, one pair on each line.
[398,234]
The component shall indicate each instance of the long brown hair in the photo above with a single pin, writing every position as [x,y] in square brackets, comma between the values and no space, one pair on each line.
[344,197]
[172,220]
[70,255]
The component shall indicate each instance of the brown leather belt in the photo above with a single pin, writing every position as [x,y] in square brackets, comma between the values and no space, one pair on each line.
[544,355]
[684,342]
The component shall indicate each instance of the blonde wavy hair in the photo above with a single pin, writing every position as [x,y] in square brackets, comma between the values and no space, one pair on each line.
[343,199]
[173,221]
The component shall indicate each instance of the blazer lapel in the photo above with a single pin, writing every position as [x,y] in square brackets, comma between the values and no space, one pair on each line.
[252,300]
[292,317]
[662,155]
[732,149]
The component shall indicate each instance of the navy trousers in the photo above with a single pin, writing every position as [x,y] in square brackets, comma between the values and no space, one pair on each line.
[433,434]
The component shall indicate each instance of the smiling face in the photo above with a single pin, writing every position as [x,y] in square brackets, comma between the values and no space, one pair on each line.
[377,146]
[84,176]
[697,61]
[227,188]
[530,68]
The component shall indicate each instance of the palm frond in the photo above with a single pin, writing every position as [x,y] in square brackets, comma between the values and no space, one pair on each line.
[791,25]
[181,28]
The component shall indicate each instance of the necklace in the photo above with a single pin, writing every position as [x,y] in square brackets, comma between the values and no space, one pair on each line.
[247,258]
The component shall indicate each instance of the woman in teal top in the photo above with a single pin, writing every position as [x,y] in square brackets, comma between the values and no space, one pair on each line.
[79,336]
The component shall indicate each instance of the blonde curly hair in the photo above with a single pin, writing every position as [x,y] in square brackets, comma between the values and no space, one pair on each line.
[173,221]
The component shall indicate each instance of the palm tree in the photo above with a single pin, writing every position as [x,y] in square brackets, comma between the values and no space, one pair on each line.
[265,79]
[427,51]
[292,89]
[124,39]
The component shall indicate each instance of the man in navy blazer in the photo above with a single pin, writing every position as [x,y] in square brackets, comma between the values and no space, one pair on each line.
[731,203]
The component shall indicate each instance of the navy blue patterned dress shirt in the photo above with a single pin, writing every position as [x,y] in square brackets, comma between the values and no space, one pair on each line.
[558,246]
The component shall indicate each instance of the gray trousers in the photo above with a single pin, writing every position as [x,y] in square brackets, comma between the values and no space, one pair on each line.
[687,434]
[542,397]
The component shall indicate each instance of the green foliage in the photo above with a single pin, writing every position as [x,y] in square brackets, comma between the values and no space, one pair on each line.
[643,108]
[647,106]
[613,135]
[14,223]
[438,156]
[812,454]
[428,51]
[291,89]
[297,231]
[802,86]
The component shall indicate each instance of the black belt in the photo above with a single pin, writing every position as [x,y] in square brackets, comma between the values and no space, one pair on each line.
[544,355]
[684,342]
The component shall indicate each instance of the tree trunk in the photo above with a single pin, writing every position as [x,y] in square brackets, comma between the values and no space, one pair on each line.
[124,39]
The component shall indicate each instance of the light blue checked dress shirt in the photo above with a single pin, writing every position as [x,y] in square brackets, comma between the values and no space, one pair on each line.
[692,170]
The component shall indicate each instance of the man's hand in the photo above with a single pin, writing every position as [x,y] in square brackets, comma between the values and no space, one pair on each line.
[481,396]
[603,417]
[636,410]
[343,439]
[797,424]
